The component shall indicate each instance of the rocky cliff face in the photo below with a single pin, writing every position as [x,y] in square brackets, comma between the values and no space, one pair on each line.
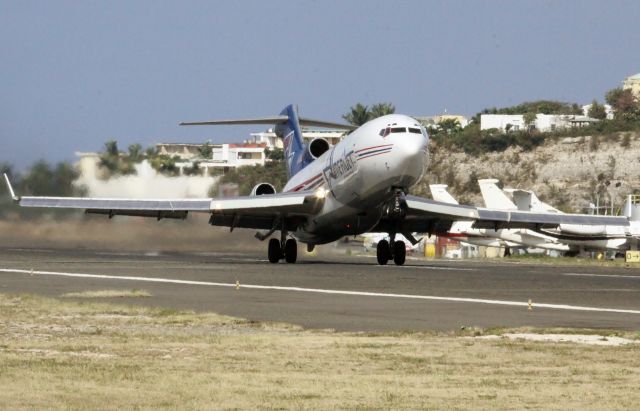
[568,173]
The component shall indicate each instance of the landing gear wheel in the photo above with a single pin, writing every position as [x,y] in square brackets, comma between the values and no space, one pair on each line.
[399,252]
[275,252]
[383,253]
[290,251]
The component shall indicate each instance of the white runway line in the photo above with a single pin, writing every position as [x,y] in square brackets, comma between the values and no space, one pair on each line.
[435,267]
[635,277]
[322,291]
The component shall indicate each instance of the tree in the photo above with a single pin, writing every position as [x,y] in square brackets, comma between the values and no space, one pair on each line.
[449,126]
[275,154]
[111,157]
[357,115]
[625,106]
[135,153]
[206,150]
[42,179]
[381,109]
[597,111]
[529,119]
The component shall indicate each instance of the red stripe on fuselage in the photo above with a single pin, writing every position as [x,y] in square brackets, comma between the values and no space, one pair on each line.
[369,148]
[372,155]
[312,179]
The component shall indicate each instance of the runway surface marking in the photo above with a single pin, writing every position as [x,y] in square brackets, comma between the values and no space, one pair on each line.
[322,291]
[435,267]
[635,277]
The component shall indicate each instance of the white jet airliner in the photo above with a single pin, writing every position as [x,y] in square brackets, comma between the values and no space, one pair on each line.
[359,185]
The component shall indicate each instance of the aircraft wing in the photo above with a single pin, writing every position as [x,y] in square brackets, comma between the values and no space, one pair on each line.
[432,215]
[246,211]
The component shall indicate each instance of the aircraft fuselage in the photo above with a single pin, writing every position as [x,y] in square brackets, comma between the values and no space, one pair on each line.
[359,175]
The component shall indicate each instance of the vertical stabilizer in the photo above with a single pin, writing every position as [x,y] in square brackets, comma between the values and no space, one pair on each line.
[527,200]
[493,196]
[291,136]
[439,193]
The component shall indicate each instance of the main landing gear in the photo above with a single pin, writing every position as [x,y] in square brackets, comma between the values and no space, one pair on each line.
[287,249]
[386,252]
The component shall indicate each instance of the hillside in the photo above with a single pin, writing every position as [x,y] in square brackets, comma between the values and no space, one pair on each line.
[566,172]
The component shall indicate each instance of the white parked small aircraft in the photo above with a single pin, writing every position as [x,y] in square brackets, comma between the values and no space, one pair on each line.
[508,238]
[576,237]
[359,185]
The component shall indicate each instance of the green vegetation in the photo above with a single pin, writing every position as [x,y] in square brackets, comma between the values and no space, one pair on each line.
[62,354]
[274,173]
[535,107]
[474,141]
[42,179]
[360,114]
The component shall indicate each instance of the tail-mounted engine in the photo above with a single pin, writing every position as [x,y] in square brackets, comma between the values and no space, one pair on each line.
[263,188]
[317,147]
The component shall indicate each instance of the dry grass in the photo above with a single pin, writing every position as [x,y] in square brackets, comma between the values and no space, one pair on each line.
[87,355]
[108,294]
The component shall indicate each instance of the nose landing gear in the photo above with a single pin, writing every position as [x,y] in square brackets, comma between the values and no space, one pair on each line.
[395,211]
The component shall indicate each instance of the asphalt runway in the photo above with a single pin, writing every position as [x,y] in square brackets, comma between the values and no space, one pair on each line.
[341,292]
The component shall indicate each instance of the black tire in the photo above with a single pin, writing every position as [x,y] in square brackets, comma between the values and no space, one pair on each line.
[274,253]
[383,253]
[291,251]
[399,252]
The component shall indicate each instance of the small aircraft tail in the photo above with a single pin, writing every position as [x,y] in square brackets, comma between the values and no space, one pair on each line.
[287,127]
[527,200]
[494,197]
[439,193]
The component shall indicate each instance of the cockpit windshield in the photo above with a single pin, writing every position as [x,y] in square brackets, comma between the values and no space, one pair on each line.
[386,131]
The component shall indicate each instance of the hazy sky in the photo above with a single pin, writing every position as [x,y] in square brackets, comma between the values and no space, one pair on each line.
[74,74]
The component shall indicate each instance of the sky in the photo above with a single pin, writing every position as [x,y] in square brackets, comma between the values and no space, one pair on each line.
[74,74]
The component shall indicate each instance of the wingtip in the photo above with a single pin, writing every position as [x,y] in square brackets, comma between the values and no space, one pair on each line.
[14,197]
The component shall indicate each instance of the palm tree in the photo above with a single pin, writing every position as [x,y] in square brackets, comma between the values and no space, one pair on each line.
[357,115]
[135,153]
[381,109]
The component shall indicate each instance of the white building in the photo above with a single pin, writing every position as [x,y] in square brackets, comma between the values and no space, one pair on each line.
[272,141]
[632,83]
[543,122]
[433,121]
[223,156]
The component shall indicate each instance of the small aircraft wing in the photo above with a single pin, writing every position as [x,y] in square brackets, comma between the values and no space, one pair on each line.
[429,214]
[252,211]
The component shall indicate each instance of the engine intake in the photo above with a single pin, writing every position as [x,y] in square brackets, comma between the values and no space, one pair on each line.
[263,188]
[318,147]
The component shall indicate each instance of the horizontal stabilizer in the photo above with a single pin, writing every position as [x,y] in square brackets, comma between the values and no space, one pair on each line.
[271,120]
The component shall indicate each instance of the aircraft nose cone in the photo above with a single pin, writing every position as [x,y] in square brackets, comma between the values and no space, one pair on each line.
[411,157]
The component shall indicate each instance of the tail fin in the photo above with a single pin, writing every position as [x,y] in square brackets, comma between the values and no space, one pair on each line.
[291,136]
[439,193]
[494,197]
[527,200]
